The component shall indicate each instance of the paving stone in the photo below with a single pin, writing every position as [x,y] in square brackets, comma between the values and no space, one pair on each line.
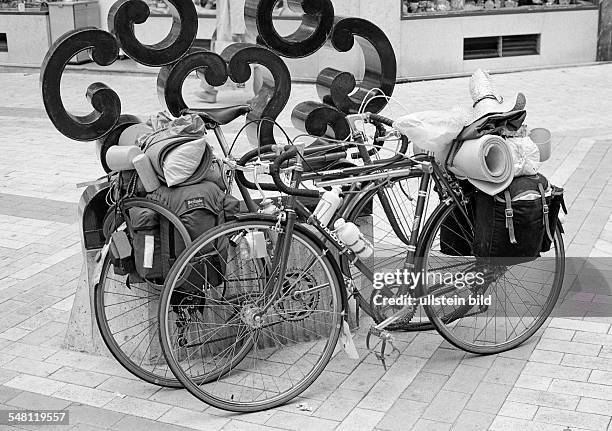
[488,397]
[557,371]
[573,419]
[518,410]
[33,401]
[590,405]
[444,361]
[558,334]
[546,357]
[424,387]
[175,397]
[123,386]
[39,385]
[28,351]
[292,421]
[424,345]
[543,398]
[364,377]
[583,389]
[237,425]
[504,423]
[83,395]
[603,377]
[473,421]
[79,377]
[504,371]
[579,325]
[596,363]
[7,393]
[335,408]
[569,347]
[30,366]
[427,425]
[465,379]
[361,420]
[593,338]
[84,414]
[132,423]
[137,407]
[402,415]
[446,406]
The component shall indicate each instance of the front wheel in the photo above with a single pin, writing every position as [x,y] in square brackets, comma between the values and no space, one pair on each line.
[250,344]
[482,307]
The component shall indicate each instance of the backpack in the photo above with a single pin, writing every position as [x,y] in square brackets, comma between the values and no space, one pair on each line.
[155,242]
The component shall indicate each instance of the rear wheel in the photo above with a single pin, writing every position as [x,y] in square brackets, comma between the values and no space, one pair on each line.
[126,305]
[496,312]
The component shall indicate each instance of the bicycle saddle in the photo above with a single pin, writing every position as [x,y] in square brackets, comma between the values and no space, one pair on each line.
[220,116]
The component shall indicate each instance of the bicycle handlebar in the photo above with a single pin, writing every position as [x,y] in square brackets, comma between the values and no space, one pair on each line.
[241,178]
[275,173]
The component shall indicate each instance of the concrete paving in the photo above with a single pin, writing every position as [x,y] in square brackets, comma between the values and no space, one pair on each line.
[560,380]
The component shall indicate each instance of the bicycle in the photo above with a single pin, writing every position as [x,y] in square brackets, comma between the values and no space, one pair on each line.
[124,308]
[279,274]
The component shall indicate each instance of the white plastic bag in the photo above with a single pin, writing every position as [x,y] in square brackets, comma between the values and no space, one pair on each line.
[181,163]
[431,130]
[525,155]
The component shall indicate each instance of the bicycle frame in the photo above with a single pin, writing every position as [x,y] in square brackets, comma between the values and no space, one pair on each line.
[429,171]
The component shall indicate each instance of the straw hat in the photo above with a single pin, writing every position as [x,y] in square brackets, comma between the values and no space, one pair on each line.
[487,99]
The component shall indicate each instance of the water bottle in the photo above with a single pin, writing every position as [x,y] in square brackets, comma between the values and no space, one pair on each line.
[350,235]
[328,205]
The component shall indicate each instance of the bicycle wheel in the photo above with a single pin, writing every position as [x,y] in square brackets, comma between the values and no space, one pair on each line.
[385,216]
[238,354]
[504,308]
[126,308]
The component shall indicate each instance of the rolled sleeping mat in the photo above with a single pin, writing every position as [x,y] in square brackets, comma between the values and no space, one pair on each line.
[131,134]
[119,158]
[486,162]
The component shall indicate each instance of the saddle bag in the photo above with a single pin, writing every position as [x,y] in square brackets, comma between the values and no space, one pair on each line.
[511,227]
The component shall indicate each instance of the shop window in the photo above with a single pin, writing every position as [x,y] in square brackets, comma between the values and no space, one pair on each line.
[3,43]
[412,8]
[501,46]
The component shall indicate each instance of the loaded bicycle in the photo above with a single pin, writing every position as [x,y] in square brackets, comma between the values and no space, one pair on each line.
[259,329]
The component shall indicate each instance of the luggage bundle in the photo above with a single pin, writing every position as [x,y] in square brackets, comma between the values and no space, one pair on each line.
[514,209]
[191,185]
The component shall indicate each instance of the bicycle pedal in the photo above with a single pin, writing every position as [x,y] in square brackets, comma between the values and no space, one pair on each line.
[386,338]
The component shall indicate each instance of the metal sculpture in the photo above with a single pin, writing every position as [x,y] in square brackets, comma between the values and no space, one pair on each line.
[106,103]
[339,92]
[310,36]
[125,13]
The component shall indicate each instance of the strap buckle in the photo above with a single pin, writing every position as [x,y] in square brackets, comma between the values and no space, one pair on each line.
[509,213]
[546,209]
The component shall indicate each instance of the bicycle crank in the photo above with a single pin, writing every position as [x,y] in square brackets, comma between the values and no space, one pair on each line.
[387,339]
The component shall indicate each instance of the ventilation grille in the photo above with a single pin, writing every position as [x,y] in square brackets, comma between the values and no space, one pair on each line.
[501,46]
[3,43]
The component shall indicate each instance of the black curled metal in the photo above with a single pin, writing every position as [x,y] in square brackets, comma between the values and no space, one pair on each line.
[107,106]
[318,119]
[124,14]
[338,88]
[271,98]
[310,36]
[171,77]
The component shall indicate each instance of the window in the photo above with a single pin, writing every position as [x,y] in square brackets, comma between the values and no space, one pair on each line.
[501,46]
[3,43]
[412,8]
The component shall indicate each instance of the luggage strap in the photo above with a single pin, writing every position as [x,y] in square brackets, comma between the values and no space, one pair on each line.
[164,237]
[509,217]
[546,210]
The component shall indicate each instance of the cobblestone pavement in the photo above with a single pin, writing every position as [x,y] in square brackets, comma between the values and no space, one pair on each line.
[560,380]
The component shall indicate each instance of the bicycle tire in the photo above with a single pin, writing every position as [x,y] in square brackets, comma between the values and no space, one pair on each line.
[233,400]
[157,372]
[451,325]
